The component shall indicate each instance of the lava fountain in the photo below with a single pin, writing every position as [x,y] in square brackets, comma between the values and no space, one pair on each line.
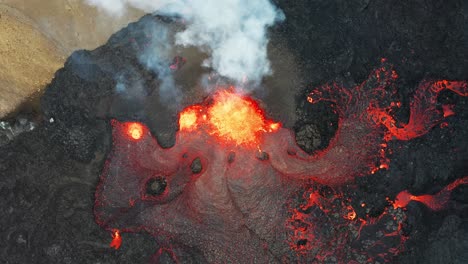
[232,118]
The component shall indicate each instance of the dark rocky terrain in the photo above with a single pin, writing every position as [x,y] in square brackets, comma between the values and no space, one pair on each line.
[48,176]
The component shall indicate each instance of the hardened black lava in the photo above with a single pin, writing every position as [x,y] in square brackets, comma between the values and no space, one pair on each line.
[49,175]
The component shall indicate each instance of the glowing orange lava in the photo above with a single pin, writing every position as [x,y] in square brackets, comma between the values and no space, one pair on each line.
[448,110]
[135,130]
[351,215]
[434,202]
[423,113]
[231,117]
[116,239]
[235,118]
[188,118]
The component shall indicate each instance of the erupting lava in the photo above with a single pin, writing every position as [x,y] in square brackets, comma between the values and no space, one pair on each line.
[135,130]
[188,118]
[234,205]
[231,117]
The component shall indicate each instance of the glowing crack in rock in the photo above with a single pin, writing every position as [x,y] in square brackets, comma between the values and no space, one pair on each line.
[226,187]
[325,228]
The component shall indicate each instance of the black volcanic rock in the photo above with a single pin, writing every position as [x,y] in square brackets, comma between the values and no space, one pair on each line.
[48,176]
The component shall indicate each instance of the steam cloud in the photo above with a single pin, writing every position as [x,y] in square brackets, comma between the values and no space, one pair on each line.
[233,32]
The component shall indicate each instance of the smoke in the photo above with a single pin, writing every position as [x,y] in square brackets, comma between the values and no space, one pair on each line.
[156,56]
[233,32]
[155,52]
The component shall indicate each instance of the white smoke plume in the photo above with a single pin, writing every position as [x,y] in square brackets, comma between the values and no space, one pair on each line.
[233,32]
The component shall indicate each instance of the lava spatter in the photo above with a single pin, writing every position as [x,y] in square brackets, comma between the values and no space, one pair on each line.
[231,117]
[188,118]
[135,130]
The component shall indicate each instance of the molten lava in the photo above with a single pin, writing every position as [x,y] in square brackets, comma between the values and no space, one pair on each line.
[235,118]
[188,118]
[135,130]
[231,117]
[211,195]
[116,239]
[434,202]
[423,115]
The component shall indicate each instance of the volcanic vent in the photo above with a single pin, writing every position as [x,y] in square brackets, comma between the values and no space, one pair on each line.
[232,175]
[186,166]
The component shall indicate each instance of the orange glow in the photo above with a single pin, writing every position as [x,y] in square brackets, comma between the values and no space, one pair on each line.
[274,127]
[457,183]
[231,117]
[135,130]
[383,166]
[423,113]
[402,199]
[448,110]
[351,215]
[116,239]
[434,202]
[188,118]
[235,118]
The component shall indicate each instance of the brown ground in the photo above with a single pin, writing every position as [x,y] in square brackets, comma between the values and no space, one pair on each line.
[36,36]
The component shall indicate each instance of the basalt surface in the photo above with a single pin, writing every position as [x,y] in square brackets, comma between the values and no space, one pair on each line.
[49,175]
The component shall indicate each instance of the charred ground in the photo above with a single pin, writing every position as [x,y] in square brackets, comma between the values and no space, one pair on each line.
[49,175]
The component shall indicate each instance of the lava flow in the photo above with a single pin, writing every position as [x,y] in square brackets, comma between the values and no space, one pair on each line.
[116,239]
[434,202]
[324,227]
[231,117]
[215,193]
